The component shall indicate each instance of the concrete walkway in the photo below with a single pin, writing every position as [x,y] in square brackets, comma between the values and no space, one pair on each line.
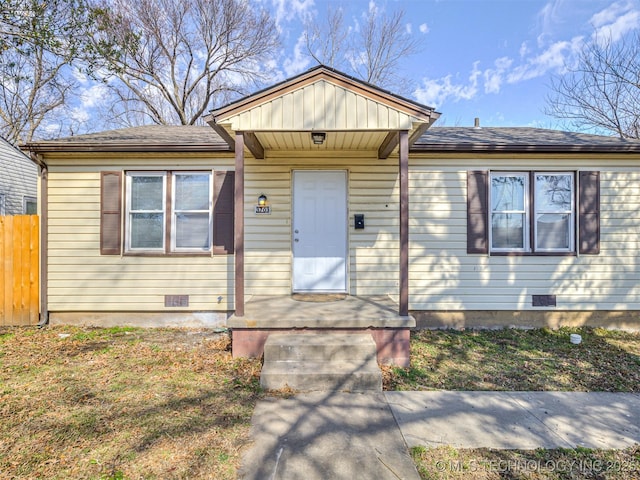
[350,436]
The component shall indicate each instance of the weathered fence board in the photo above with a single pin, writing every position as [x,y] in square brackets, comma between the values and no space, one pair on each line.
[19,276]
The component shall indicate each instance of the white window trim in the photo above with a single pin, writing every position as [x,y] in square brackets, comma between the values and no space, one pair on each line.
[571,213]
[527,220]
[26,199]
[531,213]
[174,212]
[166,211]
[129,176]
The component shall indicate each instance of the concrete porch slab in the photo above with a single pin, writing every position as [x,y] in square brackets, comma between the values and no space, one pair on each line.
[283,312]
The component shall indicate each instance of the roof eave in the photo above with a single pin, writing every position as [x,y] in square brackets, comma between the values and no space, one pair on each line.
[475,148]
[124,147]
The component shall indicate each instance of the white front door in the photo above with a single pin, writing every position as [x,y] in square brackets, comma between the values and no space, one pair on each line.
[319,231]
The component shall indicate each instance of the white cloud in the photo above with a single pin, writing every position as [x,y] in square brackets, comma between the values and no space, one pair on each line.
[409,28]
[435,92]
[615,21]
[424,28]
[286,11]
[93,96]
[553,58]
[300,61]
[493,77]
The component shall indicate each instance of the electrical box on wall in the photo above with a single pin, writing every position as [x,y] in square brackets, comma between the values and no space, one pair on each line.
[358,221]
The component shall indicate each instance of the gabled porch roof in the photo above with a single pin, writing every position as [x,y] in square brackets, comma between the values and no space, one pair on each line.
[353,114]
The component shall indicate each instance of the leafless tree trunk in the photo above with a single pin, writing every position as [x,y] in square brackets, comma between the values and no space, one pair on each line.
[174,58]
[372,50]
[602,91]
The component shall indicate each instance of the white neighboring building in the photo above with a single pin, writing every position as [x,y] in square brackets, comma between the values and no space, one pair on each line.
[18,181]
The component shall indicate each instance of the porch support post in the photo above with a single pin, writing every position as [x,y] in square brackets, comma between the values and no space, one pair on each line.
[239,224]
[403,154]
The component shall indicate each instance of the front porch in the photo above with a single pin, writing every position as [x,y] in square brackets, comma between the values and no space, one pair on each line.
[377,315]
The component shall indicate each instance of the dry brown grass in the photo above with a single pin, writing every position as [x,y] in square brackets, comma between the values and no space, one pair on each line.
[447,463]
[122,403]
[510,359]
[525,360]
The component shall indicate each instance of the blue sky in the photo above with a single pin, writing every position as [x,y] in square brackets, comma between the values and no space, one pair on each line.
[491,59]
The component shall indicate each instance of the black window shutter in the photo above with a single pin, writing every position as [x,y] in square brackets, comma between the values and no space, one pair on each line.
[589,213]
[110,213]
[223,212]
[477,212]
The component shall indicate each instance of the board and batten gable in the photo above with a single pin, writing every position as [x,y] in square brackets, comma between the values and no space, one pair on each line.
[448,276]
[324,106]
[18,179]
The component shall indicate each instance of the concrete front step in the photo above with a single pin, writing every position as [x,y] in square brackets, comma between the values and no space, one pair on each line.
[319,346]
[321,362]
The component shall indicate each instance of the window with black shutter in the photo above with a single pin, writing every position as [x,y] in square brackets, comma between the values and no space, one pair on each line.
[167,212]
[533,212]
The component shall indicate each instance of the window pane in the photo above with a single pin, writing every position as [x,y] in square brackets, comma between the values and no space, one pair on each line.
[147,230]
[552,231]
[146,193]
[507,230]
[192,192]
[192,230]
[553,193]
[507,193]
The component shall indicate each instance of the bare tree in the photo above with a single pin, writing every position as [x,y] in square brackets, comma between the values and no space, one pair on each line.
[38,42]
[372,49]
[34,91]
[328,43]
[602,91]
[167,61]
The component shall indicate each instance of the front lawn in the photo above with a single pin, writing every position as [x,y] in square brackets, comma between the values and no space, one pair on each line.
[515,359]
[122,403]
[534,360]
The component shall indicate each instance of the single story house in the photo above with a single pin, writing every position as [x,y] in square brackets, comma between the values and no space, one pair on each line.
[326,184]
[18,181]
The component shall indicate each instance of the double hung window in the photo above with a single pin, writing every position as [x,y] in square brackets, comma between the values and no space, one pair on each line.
[168,212]
[532,212]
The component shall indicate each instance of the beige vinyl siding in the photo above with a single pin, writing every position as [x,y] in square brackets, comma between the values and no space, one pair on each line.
[80,279]
[444,277]
[373,252]
[267,237]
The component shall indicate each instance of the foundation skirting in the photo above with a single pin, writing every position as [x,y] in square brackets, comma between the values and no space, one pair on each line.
[611,319]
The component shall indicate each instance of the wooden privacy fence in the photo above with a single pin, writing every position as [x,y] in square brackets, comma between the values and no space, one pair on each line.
[19,270]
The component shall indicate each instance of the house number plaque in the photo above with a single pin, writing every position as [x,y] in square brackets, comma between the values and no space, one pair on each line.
[263,209]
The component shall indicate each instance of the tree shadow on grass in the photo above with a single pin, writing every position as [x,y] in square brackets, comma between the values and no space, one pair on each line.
[531,360]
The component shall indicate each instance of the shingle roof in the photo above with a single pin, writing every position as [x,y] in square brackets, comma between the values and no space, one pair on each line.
[145,138]
[156,138]
[519,139]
